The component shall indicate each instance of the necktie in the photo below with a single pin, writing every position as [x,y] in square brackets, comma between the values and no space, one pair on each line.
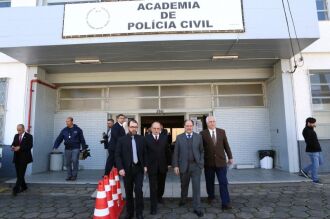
[20,139]
[135,158]
[213,138]
[189,136]
[109,135]
[156,137]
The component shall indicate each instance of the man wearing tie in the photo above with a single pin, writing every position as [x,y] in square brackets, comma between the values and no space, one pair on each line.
[216,145]
[117,131]
[131,161]
[188,162]
[159,158]
[22,145]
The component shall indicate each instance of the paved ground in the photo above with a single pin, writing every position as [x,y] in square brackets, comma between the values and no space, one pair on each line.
[289,200]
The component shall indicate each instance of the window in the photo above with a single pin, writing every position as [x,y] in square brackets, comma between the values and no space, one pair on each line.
[239,95]
[162,97]
[322,10]
[3,102]
[320,89]
[4,3]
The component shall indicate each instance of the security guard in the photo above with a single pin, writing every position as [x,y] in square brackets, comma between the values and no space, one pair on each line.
[73,137]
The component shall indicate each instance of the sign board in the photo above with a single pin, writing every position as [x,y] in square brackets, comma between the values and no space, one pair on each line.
[152,17]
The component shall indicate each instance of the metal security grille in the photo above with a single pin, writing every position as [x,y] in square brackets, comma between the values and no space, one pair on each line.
[3,102]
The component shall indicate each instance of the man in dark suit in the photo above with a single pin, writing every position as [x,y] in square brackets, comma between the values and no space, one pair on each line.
[188,162]
[215,146]
[22,145]
[117,131]
[107,135]
[131,161]
[159,158]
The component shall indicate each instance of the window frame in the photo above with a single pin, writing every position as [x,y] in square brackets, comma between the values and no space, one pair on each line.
[325,11]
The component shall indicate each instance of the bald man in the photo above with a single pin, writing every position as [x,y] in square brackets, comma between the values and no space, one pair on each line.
[216,148]
[21,146]
[159,159]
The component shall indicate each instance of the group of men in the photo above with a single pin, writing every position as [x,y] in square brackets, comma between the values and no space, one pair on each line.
[135,155]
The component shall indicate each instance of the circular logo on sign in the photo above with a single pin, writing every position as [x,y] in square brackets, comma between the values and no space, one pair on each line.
[98,18]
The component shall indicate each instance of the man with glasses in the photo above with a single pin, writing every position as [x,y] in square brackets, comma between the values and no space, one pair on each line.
[131,161]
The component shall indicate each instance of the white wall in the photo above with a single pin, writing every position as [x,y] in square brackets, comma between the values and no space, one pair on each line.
[316,57]
[247,130]
[93,125]
[16,73]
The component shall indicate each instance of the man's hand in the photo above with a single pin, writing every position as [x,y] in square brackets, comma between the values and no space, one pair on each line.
[176,171]
[16,148]
[12,148]
[145,169]
[231,161]
[122,172]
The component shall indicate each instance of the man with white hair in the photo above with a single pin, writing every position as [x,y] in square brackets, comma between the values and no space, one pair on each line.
[216,148]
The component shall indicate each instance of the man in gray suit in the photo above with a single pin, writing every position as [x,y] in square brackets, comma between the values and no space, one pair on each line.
[188,162]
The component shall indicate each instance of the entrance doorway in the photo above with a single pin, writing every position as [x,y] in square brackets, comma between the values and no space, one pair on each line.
[173,125]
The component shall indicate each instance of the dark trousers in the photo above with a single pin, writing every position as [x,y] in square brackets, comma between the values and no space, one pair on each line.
[193,173]
[20,173]
[133,181]
[221,173]
[110,162]
[157,187]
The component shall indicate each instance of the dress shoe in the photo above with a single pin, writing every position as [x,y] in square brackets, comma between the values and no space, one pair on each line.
[182,203]
[14,193]
[139,216]
[227,207]
[153,212]
[210,200]
[24,189]
[199,213]
[68,178]
[74,178]
[128,216]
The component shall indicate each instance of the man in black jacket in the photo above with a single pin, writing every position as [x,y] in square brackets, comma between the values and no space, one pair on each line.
[131,161]
[22,145]
[159,158]
[313,149]
[117,131]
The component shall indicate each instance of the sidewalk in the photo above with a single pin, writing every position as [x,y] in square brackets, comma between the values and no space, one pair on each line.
[281,200]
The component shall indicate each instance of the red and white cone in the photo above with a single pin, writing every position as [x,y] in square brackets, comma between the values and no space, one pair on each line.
[113,186]
[101,210]
[121,202]
[109,196]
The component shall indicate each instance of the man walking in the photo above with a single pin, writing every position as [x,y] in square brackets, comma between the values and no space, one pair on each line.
[131,161]
[117,131]
[73,138]
[22,145]
[313,150]
[188,162]
[159,158]
[216,148]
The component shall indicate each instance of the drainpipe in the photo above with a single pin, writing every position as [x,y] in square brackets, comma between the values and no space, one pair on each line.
[52,86]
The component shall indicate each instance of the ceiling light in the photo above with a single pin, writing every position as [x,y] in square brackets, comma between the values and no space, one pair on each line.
[88,61]
[223,57]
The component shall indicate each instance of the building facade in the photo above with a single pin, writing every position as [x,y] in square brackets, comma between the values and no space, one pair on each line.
[88,61]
